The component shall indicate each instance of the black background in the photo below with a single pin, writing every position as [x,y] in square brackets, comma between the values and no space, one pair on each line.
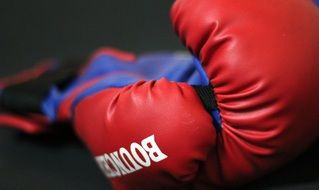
[32,30]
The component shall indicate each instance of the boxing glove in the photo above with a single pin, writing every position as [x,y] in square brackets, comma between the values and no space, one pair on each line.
[147,127]
[262,57]
[139,116]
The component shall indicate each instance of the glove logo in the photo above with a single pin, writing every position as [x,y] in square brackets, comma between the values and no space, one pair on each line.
[123,162]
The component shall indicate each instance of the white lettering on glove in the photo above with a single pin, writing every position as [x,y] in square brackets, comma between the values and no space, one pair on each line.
[123,162]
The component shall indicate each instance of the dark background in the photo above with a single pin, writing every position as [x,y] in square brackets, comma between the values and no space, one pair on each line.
[32,30]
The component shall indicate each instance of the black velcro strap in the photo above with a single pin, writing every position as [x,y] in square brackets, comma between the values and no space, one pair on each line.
[207,96]
[27,97]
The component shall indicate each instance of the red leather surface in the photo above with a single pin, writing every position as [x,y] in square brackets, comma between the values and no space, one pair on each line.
[262,56]
[115,118]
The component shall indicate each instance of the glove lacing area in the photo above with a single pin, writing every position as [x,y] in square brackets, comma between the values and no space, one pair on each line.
[206,94]
[208,98]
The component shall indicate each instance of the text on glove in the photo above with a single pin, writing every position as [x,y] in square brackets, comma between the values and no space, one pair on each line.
[123,161]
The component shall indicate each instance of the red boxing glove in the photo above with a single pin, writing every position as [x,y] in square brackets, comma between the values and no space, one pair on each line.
[149,135]
[144,135]
[263,59]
